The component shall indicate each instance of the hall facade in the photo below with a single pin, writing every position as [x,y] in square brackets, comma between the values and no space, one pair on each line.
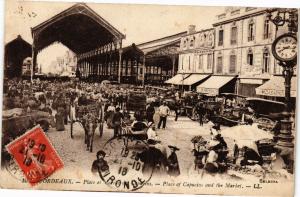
[235,52]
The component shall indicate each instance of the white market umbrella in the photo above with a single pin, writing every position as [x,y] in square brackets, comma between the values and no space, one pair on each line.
[246,135]
[246,132]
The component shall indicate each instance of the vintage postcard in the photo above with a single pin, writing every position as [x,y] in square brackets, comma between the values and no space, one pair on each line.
[149,98]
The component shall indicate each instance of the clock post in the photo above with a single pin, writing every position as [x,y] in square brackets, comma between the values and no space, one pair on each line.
[285,138]
[284,49]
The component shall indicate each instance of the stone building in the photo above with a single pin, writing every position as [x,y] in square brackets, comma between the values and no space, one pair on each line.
[235,56]
[196,60]
[243,47]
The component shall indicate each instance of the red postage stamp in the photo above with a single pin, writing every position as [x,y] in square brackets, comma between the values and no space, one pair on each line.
[35,155]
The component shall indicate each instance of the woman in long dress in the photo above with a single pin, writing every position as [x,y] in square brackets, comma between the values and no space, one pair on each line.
[59,117]
[173,165]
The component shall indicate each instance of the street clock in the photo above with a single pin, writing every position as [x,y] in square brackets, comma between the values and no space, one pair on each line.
[284,47]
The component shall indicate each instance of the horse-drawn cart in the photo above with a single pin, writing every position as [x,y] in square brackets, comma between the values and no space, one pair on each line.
[15,122]
[90,117]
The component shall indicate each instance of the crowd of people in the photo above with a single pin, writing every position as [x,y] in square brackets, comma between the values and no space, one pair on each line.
[59,98]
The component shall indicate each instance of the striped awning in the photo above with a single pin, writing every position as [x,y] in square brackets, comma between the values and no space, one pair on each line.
[212,85]
[177,79]
[194,78]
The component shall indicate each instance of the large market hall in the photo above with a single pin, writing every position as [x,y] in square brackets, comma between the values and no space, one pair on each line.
[168,104]
[96,43]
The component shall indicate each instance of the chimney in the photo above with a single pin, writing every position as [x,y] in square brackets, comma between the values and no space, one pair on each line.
[191,29]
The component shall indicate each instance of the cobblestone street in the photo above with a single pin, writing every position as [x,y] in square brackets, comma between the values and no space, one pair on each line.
[74,154]
[86,86]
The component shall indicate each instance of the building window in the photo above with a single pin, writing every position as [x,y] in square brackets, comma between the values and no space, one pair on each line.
[250,57]
[266,29]
[266,61]
[233,35]
[251,31]
[219,64]
[192,42]
[221,35]
[209,61]
[189,63]
[185,43]
[201,40]
[200,66]
[210,40]
[232,63]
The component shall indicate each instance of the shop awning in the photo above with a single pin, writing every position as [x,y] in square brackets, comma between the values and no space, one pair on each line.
[275,87]
[212,85]
[194,78]
[177,79]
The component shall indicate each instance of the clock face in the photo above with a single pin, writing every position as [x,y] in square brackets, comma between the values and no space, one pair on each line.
[285,48]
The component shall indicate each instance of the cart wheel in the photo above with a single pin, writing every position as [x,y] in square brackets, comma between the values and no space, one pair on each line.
[101,129]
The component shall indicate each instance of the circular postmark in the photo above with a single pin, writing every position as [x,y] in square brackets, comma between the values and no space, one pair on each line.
[14,170]
[121,167]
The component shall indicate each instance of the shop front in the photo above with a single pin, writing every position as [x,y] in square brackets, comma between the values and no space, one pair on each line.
[247,86]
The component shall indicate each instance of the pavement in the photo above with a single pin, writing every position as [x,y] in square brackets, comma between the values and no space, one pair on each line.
[179,133]
[74,154]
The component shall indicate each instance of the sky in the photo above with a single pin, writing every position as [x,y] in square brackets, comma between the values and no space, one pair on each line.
[140,23]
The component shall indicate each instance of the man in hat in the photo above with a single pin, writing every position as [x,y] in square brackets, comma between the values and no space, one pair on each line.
[199,111]
[100,163]
[150,112]
[173,165]
[177,109]
[235,152]
[59,119]
[163,111]
[117,120]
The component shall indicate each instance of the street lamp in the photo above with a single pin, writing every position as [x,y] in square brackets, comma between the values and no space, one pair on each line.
[284,49]
[283,16]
